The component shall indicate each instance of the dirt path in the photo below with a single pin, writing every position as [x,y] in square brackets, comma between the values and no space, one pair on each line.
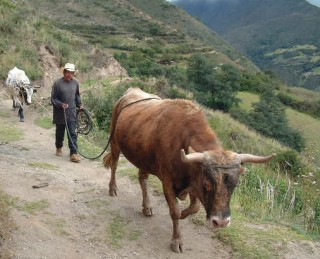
[74,216]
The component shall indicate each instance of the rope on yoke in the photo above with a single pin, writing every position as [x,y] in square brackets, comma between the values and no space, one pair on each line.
[85,125]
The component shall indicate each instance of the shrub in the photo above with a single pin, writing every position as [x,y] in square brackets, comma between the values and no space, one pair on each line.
[101,105]
[269,118]
[176,92]
[290,162]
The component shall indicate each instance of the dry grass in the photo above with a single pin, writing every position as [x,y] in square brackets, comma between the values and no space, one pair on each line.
[6,226]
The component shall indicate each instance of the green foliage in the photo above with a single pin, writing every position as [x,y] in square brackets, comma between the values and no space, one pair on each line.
[101,105]
[139,64]
[269,118]
[289,161]
[200,72]
[269,196]
[217,87]
[7,4]
[177,93]
[256,83]
[176,76]
[306,106]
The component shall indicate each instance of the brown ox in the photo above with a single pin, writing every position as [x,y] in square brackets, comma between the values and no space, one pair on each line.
[153,134]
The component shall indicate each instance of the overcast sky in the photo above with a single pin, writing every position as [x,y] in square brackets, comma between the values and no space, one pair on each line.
[314,2]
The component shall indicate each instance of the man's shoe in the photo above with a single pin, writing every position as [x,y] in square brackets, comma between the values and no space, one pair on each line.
[59,152]
[75,158]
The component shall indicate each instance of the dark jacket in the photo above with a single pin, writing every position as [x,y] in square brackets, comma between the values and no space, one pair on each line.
[65,92]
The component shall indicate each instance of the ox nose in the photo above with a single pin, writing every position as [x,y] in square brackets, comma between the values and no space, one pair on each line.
[220,223]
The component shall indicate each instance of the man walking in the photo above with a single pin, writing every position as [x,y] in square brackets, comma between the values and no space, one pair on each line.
[65,98]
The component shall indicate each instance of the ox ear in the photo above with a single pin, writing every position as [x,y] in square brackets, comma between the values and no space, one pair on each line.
[243,170]
[191,150]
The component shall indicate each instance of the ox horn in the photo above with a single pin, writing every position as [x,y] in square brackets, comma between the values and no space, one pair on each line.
[193,157]
[244,158]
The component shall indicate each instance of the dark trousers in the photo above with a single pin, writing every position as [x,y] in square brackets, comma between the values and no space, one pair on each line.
[60,130]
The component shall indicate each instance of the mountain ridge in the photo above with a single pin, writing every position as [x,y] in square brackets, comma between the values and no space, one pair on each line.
[261,29]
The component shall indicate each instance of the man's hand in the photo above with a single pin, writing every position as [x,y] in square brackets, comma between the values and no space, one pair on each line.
[65,105]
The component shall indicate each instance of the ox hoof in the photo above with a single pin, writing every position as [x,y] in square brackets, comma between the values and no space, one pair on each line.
[21,120]
[177,246]
[147,212]
[113,192]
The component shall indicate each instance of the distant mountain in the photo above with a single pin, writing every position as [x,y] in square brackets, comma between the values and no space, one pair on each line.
[278,35]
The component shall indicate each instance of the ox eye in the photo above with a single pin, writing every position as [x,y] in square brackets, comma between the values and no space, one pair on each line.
[229,181]
[226,178]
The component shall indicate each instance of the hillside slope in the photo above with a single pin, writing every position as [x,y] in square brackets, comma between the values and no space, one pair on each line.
[90,32]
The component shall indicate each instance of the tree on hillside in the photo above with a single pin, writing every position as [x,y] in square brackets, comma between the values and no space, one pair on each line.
[269,118]
[216,87]
[200,72]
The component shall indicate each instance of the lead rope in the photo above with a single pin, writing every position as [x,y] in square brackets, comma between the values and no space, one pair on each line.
[111,134]
[74,146]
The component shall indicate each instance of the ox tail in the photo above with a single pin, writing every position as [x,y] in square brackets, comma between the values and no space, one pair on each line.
[108,161]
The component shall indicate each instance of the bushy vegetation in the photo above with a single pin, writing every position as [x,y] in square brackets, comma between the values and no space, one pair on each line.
[268,117]
[216,87]
[101,104]
[306,106]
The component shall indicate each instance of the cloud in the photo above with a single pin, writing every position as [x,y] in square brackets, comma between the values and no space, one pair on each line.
[314,2]
[208,1]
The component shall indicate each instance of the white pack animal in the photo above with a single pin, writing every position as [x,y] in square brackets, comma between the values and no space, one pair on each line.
[20,89]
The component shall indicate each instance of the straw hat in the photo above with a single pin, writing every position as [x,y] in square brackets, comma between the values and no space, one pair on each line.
[70,67]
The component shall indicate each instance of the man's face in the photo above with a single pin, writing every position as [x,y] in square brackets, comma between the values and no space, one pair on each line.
[68,75]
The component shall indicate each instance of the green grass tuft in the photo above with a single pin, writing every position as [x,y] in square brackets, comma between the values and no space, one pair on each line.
[9,134]
[44,122]
[43,165]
